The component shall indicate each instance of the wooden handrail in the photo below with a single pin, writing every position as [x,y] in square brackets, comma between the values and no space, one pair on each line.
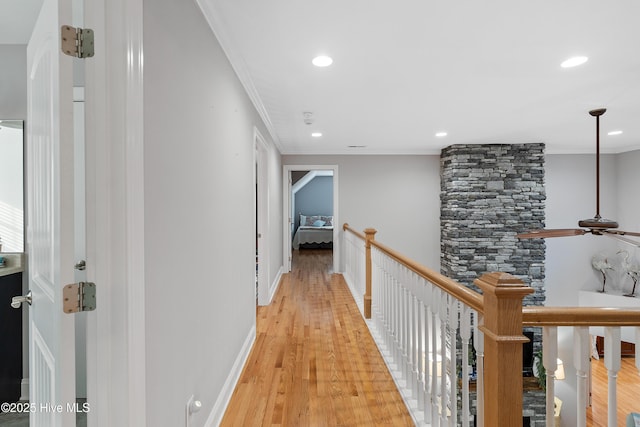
[500,304]
[579,316]
[468,296]
[347,227]
[531,315]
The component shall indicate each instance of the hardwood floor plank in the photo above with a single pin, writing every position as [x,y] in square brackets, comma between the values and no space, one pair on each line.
[314,362]
[628,387]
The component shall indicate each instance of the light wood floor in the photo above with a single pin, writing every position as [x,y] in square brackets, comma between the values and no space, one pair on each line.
[314,362]
[628,386]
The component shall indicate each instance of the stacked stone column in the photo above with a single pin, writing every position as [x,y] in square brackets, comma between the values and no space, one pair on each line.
[489,193]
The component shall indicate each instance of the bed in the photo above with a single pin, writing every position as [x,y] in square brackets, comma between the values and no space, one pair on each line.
[314,229]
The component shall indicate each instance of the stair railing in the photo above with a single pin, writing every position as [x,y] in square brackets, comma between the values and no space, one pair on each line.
[429,327]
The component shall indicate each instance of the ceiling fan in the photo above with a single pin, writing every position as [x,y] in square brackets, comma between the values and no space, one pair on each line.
[597,225]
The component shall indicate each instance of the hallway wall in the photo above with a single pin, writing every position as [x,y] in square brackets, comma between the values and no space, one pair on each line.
[397,195]
[13,82]
[199,214]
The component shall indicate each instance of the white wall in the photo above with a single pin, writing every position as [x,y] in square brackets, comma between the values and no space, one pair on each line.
[570,185]
[628,176]
[570,182]
[199,213]
[397,195]
[13,82]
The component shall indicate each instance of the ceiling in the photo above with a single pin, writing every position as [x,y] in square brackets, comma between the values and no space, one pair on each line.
[484,72]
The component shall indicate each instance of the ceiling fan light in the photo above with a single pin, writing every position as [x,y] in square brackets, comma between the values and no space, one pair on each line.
[574,61]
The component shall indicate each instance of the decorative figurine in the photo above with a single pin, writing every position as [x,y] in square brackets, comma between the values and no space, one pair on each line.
[601,263]
[632,269]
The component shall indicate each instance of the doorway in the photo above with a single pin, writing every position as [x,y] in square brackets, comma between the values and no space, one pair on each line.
[262,219]
[310,202]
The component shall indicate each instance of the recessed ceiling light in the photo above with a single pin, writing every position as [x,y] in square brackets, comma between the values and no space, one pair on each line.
[574,62]
[316,134]
[441,134]
[615,132]
[322,61]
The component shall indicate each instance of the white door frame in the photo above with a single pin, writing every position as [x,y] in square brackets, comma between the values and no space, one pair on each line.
[262,220]
[115,214]
[286,212]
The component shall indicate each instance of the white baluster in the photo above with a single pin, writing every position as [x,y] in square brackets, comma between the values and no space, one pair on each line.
[428,289]
[429,339]
[465,336]
[420,348]
[550,362]
[415,334]
[398,317]
[452,326]
[638,349]
[612,363]
[443,357]
[375,288]
[387,302]
[478,342]
[581,360]
[412,335]
[435,309]
[392,312]
[406,368]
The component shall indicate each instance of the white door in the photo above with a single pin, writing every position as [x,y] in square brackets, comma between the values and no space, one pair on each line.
[50,225]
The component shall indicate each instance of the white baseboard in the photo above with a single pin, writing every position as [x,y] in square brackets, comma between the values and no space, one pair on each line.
[276,283]
[24,389]
[359,299]
[215,417]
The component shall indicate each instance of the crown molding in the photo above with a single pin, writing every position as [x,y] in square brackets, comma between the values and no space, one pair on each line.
[212,16]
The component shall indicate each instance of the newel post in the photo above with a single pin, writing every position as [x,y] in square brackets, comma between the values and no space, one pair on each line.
[503,338]
[370,234]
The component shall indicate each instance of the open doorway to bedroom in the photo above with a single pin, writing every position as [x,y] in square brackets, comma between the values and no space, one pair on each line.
[311,212]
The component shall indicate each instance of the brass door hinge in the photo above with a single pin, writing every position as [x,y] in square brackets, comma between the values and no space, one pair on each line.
[77,42]
[79,297]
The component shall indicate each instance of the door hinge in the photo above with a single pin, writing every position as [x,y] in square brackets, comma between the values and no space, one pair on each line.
[77,42]
[79,297]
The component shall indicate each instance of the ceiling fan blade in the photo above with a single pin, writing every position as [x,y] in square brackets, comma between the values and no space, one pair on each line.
[623,233]
[618,235]
[558,232]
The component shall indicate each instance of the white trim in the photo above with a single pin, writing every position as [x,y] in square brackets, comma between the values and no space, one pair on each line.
[261,206]
[308,178]
[116,352]
[286,212]
[215,417]
[358,298]
[219,29]
[275,284]
[397,374]
[24,389]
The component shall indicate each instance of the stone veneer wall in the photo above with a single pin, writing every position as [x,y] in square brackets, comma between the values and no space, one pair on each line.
[489,193]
